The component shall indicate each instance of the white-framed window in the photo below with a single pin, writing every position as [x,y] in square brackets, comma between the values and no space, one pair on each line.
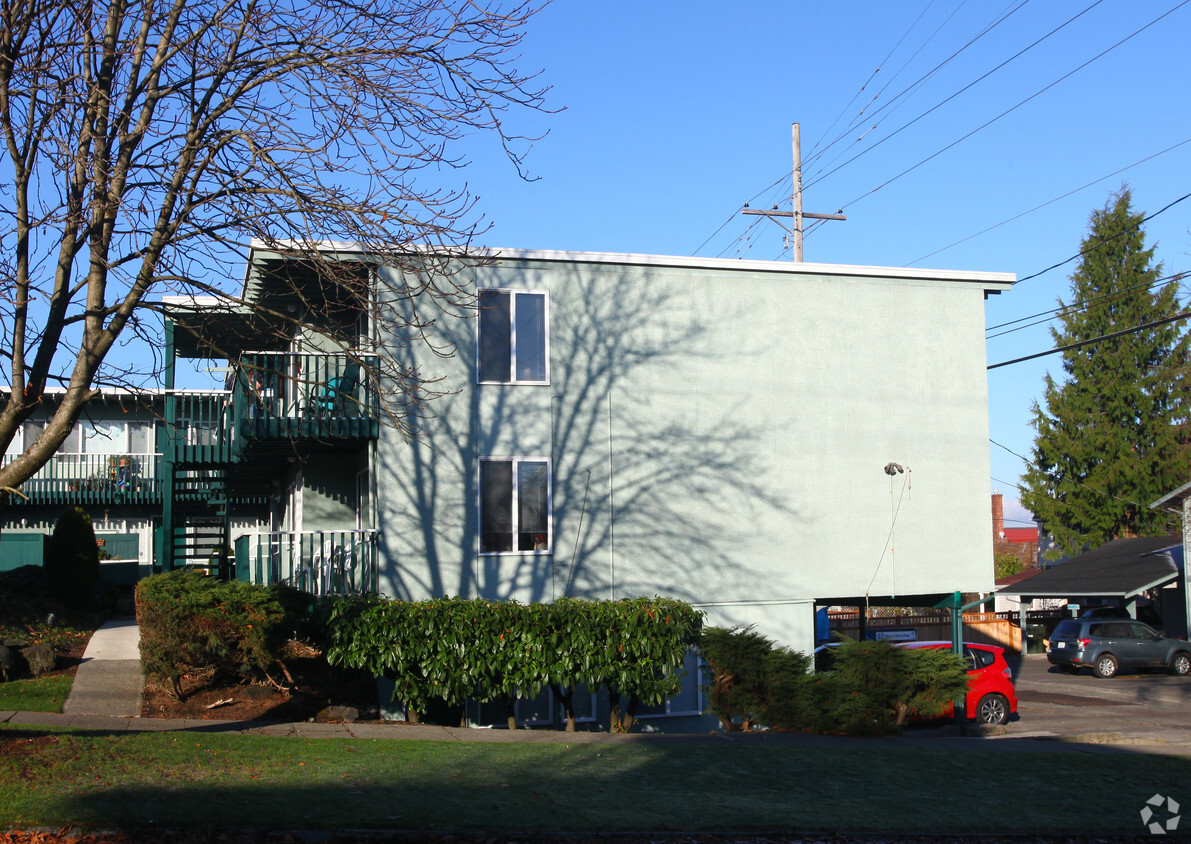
[689,700]
[513,337]
[515,505]
[106,436]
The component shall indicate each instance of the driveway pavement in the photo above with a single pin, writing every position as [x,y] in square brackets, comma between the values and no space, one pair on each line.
[1129,709]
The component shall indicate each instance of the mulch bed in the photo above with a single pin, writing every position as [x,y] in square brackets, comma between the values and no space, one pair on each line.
[317,693]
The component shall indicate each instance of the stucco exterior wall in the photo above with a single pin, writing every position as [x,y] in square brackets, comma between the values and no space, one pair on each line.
[717,435]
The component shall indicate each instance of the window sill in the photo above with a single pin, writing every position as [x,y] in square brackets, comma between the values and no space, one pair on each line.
[515,553]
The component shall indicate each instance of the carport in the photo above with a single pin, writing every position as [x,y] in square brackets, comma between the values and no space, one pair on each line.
[1118,572]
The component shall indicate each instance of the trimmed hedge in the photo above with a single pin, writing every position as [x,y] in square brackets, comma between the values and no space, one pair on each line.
[450,649]
[189,622]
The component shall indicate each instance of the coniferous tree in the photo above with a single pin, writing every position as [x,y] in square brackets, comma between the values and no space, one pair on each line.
[1109,439]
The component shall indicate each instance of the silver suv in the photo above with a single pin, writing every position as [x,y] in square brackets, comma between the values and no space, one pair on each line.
[1108,646]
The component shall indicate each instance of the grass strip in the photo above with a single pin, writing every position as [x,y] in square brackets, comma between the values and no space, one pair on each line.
[122,780]
[40,694]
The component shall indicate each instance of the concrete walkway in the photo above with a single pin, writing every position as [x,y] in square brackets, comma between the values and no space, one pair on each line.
[109,681]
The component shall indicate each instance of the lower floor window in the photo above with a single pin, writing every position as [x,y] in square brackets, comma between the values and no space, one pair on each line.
[514,505]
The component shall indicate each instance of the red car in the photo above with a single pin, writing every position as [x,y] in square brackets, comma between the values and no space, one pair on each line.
[991,698]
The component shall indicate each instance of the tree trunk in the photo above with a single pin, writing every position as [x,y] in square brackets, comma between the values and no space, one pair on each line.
[567,701]
[630,714]
[510,711]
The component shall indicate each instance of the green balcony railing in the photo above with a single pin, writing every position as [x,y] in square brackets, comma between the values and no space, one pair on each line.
[198,426]
[307,396]
[94,479]
[323,562]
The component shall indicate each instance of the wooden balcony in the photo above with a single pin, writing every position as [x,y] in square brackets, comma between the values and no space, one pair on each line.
[277,400]
[315,398]
[102,479]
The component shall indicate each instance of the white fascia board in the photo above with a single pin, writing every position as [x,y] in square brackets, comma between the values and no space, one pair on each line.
[991,281]
[193,302]
[1172,497]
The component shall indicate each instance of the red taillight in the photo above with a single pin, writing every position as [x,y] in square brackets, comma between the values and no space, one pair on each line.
[1083,643]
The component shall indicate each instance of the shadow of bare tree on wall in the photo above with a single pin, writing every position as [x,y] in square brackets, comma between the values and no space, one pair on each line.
[649,479]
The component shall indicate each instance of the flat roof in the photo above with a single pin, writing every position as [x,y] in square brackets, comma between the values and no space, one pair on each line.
[992,281]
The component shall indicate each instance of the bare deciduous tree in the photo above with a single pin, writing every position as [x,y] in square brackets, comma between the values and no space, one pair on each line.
[147,142]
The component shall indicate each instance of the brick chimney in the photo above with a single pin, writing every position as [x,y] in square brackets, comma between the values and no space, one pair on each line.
[998,517]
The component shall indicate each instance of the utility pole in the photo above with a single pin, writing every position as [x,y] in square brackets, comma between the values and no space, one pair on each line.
[797,214]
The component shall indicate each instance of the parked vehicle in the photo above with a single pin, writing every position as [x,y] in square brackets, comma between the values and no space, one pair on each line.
[991,698]
[824,657]
[1109,646]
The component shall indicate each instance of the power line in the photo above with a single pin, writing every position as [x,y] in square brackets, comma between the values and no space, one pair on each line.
[1049,202]
[893,102]
[971,84]
[1102,241]
[1033,96]
[1075,307]
[1092,340]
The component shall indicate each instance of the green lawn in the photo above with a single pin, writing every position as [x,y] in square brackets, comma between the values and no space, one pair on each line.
[51,777]
[42,694]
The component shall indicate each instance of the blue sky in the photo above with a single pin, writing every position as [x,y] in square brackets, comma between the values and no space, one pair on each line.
[678,114]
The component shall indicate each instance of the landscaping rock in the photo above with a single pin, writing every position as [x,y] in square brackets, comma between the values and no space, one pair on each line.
[8,663]
[346,714]
[39,658]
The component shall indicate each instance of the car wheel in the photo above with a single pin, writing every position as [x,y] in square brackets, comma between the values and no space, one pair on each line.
[1105,666]
[1180,664]
[992,709]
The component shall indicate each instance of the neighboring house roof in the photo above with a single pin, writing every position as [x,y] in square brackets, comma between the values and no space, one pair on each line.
[1010,579]
[1119,569]
[1173,497]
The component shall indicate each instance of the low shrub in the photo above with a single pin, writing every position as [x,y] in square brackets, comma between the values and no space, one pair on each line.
[873,687]
[192,623]
[737,660]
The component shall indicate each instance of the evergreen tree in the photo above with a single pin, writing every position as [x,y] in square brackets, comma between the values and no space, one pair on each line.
[1109,438]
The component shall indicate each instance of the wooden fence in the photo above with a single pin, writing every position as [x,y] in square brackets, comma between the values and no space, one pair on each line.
[984,627]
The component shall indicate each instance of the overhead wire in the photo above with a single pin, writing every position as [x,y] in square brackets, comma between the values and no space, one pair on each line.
[1051,475]
[1049,202]
[816,177]
[811,157]
[1091,340]
[1076,307]
[877,70]
[1102,241]
[1013,108]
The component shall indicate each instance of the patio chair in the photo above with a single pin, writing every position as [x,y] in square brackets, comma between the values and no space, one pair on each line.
[334,398]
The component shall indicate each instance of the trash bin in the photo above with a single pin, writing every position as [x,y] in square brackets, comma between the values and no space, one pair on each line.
[1035,638]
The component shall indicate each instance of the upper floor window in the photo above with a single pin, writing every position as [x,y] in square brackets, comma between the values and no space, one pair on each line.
[513,338]
[109,437]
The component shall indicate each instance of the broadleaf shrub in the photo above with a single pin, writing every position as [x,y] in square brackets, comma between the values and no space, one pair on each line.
[189,622]
[449,649]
